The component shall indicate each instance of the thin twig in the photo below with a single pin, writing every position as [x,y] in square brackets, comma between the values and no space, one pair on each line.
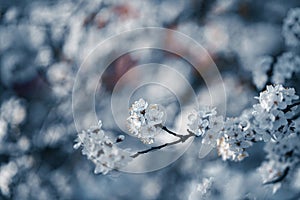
[181,139]
[171,132]
[280,178]
[289,107]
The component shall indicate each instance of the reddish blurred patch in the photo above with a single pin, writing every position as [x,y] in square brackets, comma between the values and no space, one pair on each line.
[125,11]
[116,70]
[37,88]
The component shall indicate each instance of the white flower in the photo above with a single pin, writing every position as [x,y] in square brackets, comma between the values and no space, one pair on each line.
[101,150]
[139,106]
[232,151]
[271,114]
[197,125]
[199,120]
[236,136]
[224,149]
[211,138]
[264,119]
[271,97]
[276,97]
[216,123]
[279,119]
[145,120]
[155,114]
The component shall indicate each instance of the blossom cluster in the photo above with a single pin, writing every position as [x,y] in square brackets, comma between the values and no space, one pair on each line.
[101,150]
[145,120]
[269,119]
[236,137]
[283,158]
[200,120]
[231,136]
[272,113]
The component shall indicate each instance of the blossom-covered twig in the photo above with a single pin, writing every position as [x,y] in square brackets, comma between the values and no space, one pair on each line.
[271,120]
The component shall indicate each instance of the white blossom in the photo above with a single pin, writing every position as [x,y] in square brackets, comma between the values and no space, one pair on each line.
[224,149]
[199,120]
[235,139]
[100,149]
[145,120]
[270,117]
[216,124]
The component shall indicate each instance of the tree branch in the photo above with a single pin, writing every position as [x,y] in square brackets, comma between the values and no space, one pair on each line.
[181,139]
[171,132]
[280,178]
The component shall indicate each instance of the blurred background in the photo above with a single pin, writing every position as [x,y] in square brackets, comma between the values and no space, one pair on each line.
[44,43]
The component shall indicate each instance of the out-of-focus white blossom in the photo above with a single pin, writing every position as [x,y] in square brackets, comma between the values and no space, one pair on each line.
[100,149]
[260,70]
[13,111]
[7,172]
[145,120]
[271,171]
[205,186]
[291,27]
[285,151]
[287,64]
[61,76]
[3,128]
[202,190]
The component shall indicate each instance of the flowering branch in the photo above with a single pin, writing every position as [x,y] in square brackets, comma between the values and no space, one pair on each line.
[270,120]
